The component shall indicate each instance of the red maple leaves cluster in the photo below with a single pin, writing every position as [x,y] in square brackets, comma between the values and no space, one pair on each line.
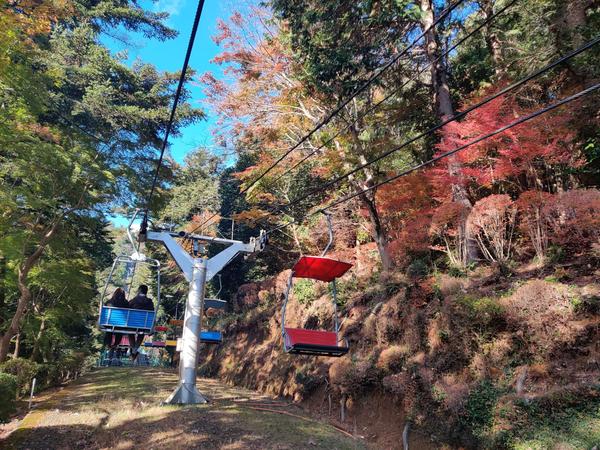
[513,180]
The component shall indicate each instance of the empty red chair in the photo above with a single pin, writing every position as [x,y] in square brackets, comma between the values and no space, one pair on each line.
[315,342]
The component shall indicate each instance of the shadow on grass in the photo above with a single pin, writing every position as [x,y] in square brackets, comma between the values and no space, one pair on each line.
[188,427]
[105,409]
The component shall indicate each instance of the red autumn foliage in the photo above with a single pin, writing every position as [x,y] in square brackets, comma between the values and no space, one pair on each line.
[522,154]
[406,209]
[575,219]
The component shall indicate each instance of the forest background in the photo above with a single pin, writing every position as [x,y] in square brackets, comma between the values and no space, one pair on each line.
[79,135]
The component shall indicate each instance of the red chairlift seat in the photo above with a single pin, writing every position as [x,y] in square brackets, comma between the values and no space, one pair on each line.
[320,268]
[313,342]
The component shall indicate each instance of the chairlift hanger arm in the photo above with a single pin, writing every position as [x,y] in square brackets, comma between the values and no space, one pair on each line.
[216,263]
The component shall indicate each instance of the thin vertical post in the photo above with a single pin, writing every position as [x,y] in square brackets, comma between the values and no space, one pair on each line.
[32,391]
[336,326]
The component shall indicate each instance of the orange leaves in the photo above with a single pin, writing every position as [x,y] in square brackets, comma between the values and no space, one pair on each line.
[405,207]
[37,16]
[208,228]
[251,216]
[410,192]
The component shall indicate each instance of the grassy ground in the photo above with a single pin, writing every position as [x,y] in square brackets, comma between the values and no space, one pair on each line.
[120,408]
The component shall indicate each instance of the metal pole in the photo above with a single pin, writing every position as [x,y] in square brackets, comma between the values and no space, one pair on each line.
[186,392]
[32,390]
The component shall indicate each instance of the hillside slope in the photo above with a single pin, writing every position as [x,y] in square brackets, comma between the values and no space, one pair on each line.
[485,361]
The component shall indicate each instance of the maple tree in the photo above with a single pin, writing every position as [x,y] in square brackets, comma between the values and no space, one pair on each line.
[534,219]
[493,220]
[407,209]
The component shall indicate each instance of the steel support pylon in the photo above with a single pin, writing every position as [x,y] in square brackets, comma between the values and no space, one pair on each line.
[186,392]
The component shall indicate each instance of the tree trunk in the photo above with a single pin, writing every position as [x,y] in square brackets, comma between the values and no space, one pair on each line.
[2,284]
[368,200]
[444,110]
[491,37]
[17,346]
[25,298]
[379,235]
[38,338]
[571,20]
[296,240]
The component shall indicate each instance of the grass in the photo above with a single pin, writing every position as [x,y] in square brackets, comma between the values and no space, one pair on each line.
[566,427]
[563,421]
[120,408]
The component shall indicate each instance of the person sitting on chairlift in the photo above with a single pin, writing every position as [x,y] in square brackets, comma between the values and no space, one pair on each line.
[140,301]
[112,340]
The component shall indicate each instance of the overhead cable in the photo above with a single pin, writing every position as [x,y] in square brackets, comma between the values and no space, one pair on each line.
[431,161]
[343,104]
[373,107]
[173,110]
[435,128]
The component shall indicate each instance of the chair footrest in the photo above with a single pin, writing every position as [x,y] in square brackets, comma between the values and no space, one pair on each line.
[125,330]
[317,350]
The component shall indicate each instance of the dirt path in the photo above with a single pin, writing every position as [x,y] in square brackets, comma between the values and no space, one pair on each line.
[120,408]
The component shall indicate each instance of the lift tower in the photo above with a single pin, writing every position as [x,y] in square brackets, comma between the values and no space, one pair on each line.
[197,271]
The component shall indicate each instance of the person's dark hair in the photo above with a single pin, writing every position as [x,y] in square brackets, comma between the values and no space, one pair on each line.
[143,289]
[119,294]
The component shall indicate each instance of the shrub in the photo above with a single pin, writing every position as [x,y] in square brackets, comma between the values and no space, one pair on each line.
[391,358]
[307,381]
[405,388]
[8,395]
[492,222]
[534,215]
[69,367]
[383,326]
[351,377]
[542,311]
[478,413]
[304,292]
[417,268]
[447,227]
[24,369]
[398,384]
[485,311]
[575,219]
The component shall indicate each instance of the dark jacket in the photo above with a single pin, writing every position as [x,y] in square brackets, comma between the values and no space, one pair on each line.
[118,303]
[141,302]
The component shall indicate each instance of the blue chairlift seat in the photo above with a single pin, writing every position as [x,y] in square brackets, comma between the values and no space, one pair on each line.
[211,337]
[125,320]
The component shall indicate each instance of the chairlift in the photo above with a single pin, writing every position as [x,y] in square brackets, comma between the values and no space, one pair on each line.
[213,337]
[215,302]
[126,320]
[316,342]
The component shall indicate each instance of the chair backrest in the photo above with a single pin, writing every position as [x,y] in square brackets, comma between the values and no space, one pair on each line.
[126,318]
[211,337]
